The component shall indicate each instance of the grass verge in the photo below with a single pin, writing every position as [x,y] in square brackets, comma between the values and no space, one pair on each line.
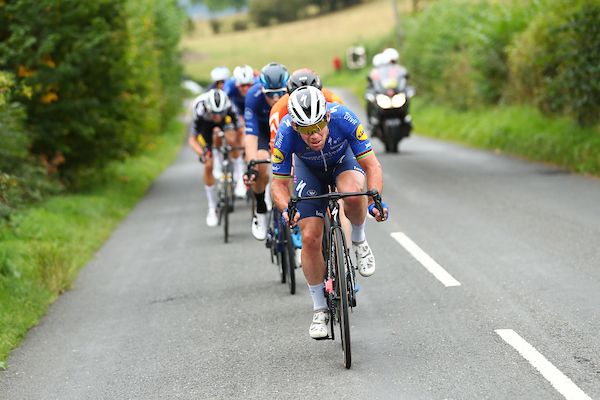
[517,130]
[43,248]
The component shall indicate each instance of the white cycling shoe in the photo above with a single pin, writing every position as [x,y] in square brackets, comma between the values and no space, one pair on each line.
[240,189]
[259,226]
[318,326]
[211,217]
[364,258]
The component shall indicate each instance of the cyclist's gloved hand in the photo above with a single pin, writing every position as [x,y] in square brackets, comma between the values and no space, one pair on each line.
[286,218]
[375,212]
[201,158]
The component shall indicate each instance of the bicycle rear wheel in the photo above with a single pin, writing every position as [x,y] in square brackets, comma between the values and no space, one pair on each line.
[342,294]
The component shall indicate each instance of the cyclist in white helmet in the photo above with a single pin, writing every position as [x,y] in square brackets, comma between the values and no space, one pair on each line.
[236,88]
[212,112]
[219,75]
[329,146]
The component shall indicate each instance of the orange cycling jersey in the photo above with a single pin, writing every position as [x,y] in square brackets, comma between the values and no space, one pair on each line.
[279,110]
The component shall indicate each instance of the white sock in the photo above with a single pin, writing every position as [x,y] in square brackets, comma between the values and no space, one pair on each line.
[217,159]
[318,295]
[211,195]
[238,168]
[358,233]
[268,199]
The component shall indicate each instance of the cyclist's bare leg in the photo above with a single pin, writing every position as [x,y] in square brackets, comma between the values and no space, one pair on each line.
[355,207]
[209,179]
[264,172]
[346,225]
[313,264]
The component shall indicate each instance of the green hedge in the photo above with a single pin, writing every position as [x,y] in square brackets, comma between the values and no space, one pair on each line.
[546,52]
[102,74]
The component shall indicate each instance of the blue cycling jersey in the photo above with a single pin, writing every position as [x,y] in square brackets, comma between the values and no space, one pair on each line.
[345,130]
[233,92]
[256,112]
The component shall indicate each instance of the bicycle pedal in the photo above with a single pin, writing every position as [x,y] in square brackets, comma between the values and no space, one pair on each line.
[323,338]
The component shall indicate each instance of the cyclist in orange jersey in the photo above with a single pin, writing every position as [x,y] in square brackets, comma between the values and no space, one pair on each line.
[300,77]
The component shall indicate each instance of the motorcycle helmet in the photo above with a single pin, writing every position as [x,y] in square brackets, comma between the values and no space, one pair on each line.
[244,75]
[303,77]
[391,55]
[219,74]
[274,77]
[307,109]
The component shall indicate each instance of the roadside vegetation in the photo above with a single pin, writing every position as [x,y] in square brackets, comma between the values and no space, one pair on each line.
[86,95]
[515,77]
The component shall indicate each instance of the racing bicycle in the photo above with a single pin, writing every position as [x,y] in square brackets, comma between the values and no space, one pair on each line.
[340,280]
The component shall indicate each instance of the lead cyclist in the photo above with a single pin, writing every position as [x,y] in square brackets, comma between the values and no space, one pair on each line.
[330,147]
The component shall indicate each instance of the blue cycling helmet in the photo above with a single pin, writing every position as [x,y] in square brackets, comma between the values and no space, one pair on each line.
[274,76]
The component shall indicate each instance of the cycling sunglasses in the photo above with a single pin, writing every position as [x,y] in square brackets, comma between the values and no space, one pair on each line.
[310,129]
[271,93]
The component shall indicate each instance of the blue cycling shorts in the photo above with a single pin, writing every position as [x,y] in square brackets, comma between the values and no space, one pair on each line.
[313,182]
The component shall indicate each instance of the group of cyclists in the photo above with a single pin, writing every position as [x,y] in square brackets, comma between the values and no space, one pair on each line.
[314,143]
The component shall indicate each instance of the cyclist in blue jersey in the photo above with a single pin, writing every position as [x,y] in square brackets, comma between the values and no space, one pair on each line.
[237,87]
[259,100]
[329,146]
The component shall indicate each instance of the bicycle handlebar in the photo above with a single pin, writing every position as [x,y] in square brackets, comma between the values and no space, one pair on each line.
[251,172]
[373,193]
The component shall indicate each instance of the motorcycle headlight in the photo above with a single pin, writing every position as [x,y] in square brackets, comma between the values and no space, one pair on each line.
[383,101]
[398,100]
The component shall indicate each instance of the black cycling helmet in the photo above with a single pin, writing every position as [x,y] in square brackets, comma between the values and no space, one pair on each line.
[274,76]
[303,77]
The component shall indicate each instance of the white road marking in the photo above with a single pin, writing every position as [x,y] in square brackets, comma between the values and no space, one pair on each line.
[429,263]
[560,381]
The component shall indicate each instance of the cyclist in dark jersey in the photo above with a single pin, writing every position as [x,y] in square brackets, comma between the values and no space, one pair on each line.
[213,113]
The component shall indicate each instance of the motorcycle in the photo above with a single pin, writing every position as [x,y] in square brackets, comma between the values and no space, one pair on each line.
[388,98]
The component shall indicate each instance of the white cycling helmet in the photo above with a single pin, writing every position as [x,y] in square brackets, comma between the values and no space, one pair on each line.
[216,101]
[244,75]
[379,60]
[307,106]
[391,55]
[220,74]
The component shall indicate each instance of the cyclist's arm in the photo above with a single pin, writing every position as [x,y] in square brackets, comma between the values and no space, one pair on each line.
[193,142]
[280,192]
[374,172]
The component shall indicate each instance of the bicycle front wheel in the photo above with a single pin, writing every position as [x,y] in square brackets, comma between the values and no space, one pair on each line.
[289,252]
[342,294]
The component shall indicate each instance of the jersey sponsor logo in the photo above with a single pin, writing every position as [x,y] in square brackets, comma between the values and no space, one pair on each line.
[275,167]
[277,157]
[360,133]
[348,117]
[300,187]
[279,140]
[227,119]
[248,114]
[334,108]
[311,192]
[319,214]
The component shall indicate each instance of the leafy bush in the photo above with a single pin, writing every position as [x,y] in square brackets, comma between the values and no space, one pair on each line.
[22,179]
[101,73]
[555,63]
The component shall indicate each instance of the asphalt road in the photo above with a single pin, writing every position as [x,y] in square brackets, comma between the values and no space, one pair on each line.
[166,310]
